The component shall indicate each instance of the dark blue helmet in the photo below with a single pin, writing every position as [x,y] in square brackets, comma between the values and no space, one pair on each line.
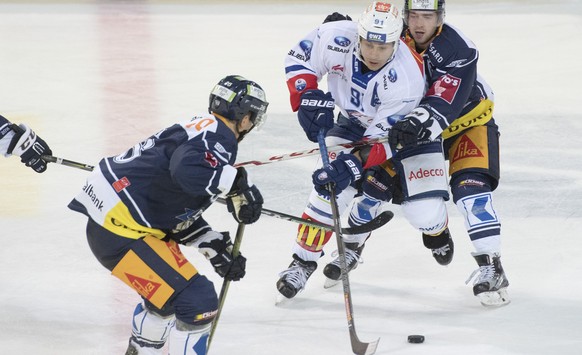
[234,97]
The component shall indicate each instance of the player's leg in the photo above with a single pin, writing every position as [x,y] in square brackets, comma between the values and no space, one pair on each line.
[311,240]
[169,285]
[424,185]
[474,160]
[377,187]
[149,330]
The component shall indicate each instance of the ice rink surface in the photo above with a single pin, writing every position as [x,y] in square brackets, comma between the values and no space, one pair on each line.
[94,78]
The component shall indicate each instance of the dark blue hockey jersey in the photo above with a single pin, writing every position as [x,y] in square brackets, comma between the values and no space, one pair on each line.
[169,178]
[457,97]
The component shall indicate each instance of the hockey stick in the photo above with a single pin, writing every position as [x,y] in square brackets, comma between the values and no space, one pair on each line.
[273,159]
[73,164]
[314,151]
[225,283]
[374,224]
[358,347]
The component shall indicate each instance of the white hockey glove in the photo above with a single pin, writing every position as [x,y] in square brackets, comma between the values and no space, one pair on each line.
[29,147]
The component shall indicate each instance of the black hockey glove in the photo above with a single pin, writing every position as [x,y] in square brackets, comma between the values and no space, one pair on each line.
[341,173]
[336,16]
[29,147]
[219,252]
[406,132]
[315,112]
[377,184]
[244,200]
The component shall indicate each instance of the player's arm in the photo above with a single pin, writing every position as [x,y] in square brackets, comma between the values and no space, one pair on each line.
[452,84]
[208,171]
[303,70]
[215,246]
[22,141]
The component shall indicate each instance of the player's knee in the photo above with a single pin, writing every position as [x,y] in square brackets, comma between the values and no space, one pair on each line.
[468,184]
[149,328]
[197,304]
[428,215]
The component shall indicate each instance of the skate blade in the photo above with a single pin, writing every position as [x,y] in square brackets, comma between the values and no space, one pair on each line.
[281,300]
[494,299]
[329,283]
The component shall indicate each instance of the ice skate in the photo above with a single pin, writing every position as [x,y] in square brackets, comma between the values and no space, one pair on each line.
[441,245]
[333,270]
[491,283]
[293,279]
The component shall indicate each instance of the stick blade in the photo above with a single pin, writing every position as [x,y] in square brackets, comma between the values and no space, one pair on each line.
[361,348]
[375,223]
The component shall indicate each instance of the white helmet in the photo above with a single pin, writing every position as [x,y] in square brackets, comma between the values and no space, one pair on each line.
[381,23]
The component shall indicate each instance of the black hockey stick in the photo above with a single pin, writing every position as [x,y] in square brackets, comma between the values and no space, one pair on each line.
[358,347]
[73,164]
[225,284]
[374,224]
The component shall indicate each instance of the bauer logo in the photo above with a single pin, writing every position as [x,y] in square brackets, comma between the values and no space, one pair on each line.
[300,84]
[342,41]
[376,37]
[445,88]
[306,47]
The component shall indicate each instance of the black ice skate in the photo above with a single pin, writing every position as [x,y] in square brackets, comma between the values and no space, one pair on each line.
[295,277]
[333,270]
[441,245]
[491,283]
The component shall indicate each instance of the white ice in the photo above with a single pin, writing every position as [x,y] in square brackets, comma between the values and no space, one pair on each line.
[93,78]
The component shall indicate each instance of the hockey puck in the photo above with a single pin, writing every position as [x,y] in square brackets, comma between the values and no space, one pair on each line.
[416,339]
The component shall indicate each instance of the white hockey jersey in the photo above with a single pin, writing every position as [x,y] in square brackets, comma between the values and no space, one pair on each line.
[372,99]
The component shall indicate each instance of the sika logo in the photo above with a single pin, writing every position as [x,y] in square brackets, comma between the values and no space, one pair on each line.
[176,253]
[466,149]
[425,173]
[142,286]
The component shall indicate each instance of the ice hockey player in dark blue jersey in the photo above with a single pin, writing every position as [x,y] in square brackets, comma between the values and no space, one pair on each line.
[145,202]
[20,140]
[458,107]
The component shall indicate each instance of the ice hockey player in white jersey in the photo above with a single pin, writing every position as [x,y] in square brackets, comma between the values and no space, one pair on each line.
[374,80]
[458,107]
[22,141]
[142,204]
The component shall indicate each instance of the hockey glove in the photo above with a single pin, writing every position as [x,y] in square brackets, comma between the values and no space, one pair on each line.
[219,252]
[340,173]
[244,200]
[315,112]
[377,184]
[29,147]
[408,131]
[336,16]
